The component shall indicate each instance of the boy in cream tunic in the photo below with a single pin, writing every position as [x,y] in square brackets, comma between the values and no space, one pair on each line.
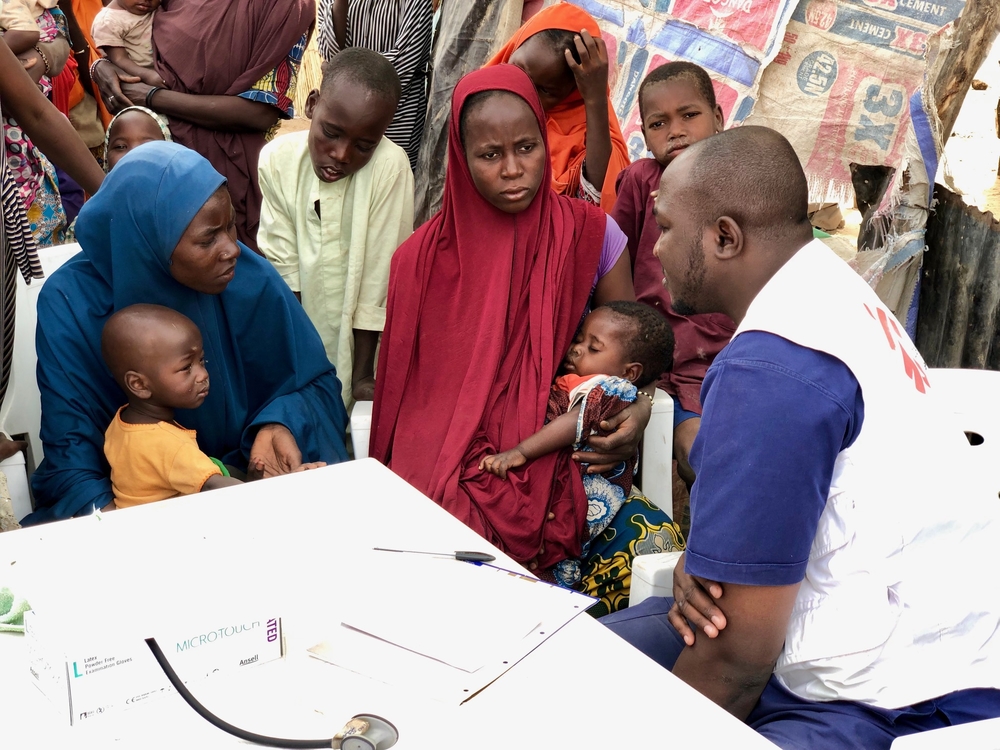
[337,202]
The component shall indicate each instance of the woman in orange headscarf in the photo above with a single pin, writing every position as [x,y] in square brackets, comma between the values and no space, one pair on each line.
[561,50]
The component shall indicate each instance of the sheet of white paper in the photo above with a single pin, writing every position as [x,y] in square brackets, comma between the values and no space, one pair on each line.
[473,613]
[478,624]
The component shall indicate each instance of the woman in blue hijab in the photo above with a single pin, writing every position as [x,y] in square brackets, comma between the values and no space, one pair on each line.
[161,231]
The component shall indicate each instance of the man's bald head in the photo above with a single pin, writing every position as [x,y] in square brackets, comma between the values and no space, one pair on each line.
[732,210]
[750,174]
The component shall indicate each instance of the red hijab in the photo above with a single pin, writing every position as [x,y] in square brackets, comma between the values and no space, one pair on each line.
[223,47]
[482,308]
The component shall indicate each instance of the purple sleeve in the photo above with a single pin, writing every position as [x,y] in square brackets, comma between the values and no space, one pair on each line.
[776,417]
[614,245]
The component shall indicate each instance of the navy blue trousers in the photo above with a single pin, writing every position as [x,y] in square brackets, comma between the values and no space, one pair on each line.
[796,724]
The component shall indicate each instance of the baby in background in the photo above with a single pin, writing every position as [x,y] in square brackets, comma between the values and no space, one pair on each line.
[156,356]
[621,347]
[124,32]
[25,24]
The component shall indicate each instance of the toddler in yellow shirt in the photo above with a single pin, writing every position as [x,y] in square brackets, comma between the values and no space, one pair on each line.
[156,356]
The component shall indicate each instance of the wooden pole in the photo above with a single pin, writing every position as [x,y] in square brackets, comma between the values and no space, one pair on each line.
[975,31]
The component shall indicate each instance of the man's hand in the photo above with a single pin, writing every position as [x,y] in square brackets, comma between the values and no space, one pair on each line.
[500,464]
[109,78]
[364,389]
[591,73]
[694,603]
[274,452]
[620,445]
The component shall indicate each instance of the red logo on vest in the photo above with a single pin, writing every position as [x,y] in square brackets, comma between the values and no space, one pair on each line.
[914,370]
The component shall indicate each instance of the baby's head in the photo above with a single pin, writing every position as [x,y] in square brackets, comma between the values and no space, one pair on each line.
[138,7]
[626,339]
[156,356]
[350,112]
[132,127]
[677,107]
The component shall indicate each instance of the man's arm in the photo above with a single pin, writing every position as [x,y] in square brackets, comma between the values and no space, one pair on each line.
[733,669]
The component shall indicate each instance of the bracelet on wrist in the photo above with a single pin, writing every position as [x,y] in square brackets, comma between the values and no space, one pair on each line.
[149,96]
[93,65]
[651,401]
[48,68]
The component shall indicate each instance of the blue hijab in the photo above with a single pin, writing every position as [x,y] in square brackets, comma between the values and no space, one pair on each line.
[266,360]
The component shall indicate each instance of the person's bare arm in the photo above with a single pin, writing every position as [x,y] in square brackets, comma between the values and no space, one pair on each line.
[339,12]
[557,434]
[45,125]
[20,41]
[733,668]
[81,47]
[616,284]
[217,481]
[57,53]
[232,113]
[684,437]
[591,75]
[120,57]
[363,376]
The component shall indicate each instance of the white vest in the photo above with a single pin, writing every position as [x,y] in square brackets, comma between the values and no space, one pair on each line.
[901,597]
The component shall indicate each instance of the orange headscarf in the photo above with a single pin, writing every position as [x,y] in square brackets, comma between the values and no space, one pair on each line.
[567,122]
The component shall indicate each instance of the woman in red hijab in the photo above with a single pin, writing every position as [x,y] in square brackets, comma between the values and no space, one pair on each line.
[484,301]
[561,50]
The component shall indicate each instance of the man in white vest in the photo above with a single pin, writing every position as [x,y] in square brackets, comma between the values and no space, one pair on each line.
[839,586]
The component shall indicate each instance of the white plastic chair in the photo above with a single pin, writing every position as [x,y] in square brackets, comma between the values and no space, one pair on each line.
[976,735]
[657,451]
[973,398]
[21,410]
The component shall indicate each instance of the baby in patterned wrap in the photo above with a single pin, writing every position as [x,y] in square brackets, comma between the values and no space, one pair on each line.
[620,348]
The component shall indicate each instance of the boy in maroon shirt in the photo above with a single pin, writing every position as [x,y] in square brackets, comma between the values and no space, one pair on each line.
[678,108]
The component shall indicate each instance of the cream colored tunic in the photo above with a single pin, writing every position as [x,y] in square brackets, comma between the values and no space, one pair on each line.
[339,264]
[20,15]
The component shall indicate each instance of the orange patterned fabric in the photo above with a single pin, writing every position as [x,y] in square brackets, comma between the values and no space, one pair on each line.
[567,122]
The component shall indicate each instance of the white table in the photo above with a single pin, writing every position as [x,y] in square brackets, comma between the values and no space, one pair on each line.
[290,541]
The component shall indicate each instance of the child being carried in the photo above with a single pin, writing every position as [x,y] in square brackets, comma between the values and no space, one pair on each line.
[156,356]
[124,32]
[621,347]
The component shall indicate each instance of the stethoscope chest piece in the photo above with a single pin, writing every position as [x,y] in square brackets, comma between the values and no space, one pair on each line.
[366,732]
